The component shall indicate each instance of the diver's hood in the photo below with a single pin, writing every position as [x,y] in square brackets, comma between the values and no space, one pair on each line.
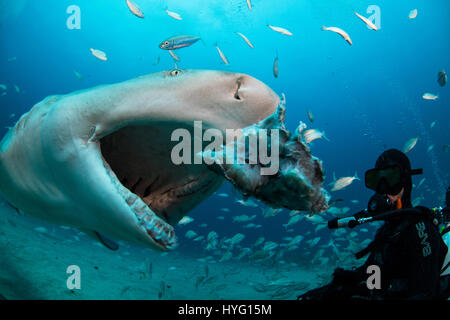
[394,157]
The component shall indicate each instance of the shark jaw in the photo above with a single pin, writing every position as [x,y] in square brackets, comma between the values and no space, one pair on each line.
[157,192]
[160,232]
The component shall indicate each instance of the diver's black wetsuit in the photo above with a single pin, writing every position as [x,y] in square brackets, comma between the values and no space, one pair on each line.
[409,251]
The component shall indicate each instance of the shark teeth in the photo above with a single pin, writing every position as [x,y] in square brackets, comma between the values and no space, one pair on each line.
[161,232]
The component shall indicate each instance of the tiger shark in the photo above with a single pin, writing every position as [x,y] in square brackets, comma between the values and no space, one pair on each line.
[99,159]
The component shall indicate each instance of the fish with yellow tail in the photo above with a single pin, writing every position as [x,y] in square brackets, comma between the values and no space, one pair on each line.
[339,31]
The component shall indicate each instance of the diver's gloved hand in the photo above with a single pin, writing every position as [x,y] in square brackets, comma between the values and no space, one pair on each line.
[345,285]
[322,293]
[346,278]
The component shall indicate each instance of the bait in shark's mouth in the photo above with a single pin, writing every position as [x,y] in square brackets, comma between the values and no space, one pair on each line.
[296,184]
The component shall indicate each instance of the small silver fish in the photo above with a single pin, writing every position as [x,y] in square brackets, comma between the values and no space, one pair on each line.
[174,56]
[270,245]
[78,75]
[190,234]
[344,182]
[237,238]
[367,21]
[339,31]
[280,30]
[135,9]
[313,134]
[421,182]
[412,14]
[99,54]
[258,241]
[247,203]
[310,116]
[225,195]
[430,96]
[293,220]
[222,56]
[174,15]
[185,220]
[246,40]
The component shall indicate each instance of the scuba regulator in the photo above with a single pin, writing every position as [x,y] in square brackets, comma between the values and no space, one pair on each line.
[379,208]
[377,204]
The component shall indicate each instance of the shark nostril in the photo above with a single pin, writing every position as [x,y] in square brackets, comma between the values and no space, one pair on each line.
[236,94]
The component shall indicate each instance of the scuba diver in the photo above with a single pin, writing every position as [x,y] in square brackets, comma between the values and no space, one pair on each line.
[408,248]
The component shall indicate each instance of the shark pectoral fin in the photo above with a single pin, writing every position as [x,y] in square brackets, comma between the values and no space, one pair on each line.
[17,210]
[108,243]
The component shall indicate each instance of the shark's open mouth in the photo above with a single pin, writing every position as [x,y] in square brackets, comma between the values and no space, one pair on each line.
[155,226]
[159,193]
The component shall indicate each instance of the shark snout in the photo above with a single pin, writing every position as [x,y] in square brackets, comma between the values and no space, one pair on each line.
[254,94]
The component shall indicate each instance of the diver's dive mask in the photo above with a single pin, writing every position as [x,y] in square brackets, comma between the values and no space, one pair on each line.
[388,180]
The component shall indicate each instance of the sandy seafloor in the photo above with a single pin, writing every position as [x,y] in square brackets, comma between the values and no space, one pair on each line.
[35,256]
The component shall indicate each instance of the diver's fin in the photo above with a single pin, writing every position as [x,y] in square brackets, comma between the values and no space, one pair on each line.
[108,243]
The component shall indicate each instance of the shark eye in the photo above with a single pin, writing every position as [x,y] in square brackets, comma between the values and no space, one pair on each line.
[175,72]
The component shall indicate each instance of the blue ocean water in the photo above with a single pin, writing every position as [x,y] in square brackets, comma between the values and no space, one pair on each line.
[366,97]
